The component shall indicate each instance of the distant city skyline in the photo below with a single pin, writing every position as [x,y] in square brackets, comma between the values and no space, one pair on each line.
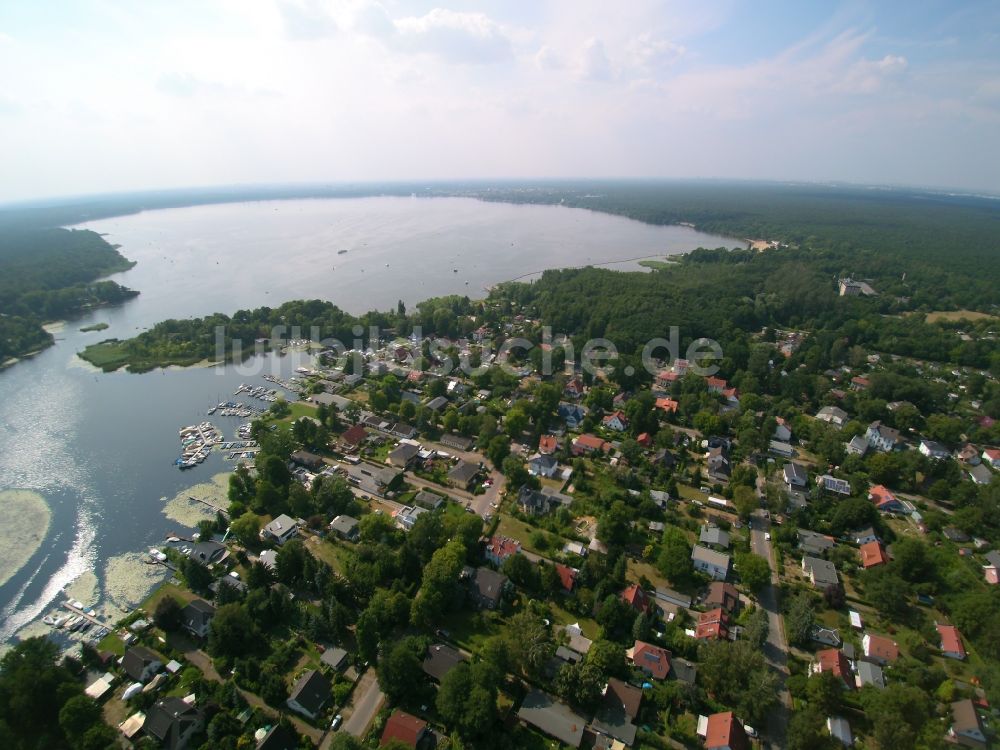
[99,97]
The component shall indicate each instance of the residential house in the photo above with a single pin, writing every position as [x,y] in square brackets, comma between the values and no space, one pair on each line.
[885,500]
[666,379]
[715,564]
[499,548]
[864,536]
[548,444]
[833,484]
[173,723]
[574,388]
[404,455]
[821,573]
[879,649]
[991,575]
[208,552]
[354,436]
[966,726]
[723,731]
[334,657]
[196,617]
[310,694]
[715,385]
[636,598]
[586,444]
[815,544]
[882,437]
[577,641]
[567,576]
[826,636]
[869,674]
[543,465]
[980,474]
[310,460]
[429,500]
[618,711]
[487,587]
[840,729]
[464,474]
[860,383]
[713,625]
[782,431]
[404,728]
[616,420]
[951,642]
[572,414]
[717,465]
[723,595]
[712,536]
[779,448]
[407,516]
[552,717]
[991,456]
[873,554]
[278,738]
[851,288]
[346,527]
[968,454]
[796,476]
[857,445]
[832,415]
[437,403]
[280,530]
[933,449]
[140,663]
[834,661]
[440,660]
[652,660]
[667,405]
[458,442]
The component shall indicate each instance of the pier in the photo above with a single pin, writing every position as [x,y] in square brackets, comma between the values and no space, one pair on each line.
[92,619]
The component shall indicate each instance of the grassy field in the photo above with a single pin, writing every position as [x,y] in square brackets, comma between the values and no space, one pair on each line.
[953,315]
[522,532]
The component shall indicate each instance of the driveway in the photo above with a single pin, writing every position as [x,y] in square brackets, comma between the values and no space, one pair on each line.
[776,648]
[366,701]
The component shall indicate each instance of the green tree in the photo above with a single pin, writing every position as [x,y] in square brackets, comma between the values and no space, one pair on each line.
[754,570]
[800,620]
[232,632]
[745,501]
[399,670]
[246,529]
[825,691]
[167,615]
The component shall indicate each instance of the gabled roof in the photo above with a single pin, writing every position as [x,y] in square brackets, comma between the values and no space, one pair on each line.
[880,647]
[652,659]
[136,660]
[636,598]
[725,731]
[403,727]
[464,472]
[810,541]
[167,719]
[502,547]
[834,661]
[796,474]
[555,719]
[822,572]
[713,535]
[951,640]
[355,435]
[710,557]
[311,691]
[548,444]
[625,695]
[723,595]
[870,674]
[440,660]
[567,576]
[964,718]
[713,625]
[872,554]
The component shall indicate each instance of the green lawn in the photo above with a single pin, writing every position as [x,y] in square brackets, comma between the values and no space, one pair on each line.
[167,589]
[522,532]
[470,629]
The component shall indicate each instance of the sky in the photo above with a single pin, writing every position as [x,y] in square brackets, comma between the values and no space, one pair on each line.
[101,96]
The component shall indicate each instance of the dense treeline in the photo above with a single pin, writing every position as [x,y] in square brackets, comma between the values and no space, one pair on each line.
[46,274]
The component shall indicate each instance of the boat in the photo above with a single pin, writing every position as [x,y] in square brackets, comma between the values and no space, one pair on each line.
[341,252]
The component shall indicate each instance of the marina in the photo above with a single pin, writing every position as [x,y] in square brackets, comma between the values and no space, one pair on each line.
[197,442]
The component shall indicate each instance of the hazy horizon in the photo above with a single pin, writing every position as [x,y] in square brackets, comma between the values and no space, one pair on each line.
[97,98]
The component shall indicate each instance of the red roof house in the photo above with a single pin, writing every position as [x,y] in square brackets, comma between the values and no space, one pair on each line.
[652,660]
[872,554]
[667,405]
[834,661]
[951,642]
[724,732]
[355,435]
[548,444]
[567,576]
[403,727]
[636,598]
[713,625]
[499,548]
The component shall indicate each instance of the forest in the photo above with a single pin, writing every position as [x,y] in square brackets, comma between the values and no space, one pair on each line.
[50,273]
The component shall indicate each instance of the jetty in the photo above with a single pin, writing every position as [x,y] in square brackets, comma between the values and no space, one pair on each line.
[93,619]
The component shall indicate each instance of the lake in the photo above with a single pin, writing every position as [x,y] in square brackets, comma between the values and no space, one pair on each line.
[99,448]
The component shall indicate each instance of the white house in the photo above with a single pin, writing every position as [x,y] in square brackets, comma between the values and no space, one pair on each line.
[715,564]
[280,530]
[832,415]
[933,449]
[882,438]
[992,457]
[857,446]
[782,431]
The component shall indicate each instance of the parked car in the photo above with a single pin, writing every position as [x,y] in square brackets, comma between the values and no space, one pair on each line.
[335,724]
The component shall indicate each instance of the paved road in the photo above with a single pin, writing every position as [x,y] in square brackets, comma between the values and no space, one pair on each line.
[776,648]
[365,703]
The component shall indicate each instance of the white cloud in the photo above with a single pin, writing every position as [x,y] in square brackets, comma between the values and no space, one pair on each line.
[306,19]
[654,56]
[548,59]
[594,62]
[869,76]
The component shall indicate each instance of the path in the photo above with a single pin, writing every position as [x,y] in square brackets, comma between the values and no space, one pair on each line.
[776,648]
[366,701]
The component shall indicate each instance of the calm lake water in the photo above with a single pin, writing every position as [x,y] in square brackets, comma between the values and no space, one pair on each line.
[100,447]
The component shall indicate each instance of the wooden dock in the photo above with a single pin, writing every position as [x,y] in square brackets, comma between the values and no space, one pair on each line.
[84,615]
